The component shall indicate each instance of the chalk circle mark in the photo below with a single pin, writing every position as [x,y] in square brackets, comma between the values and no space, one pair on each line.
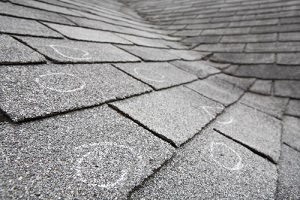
[61,82]
[70,52]
[225,156]
[106,165]
[149,75]
[209,110]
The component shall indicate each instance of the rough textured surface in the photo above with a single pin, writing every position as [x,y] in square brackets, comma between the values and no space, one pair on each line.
[158,75]
[199,68]
[268,104]
[217,89]
[65,51]
[150,54]
[12,51]
[293,108]
[289,170]
[212,167]
[287,88]
[91,154]
[25,27]
[32,91]
[254,129]
[243,83]
[176,114]
[262,87]
[78,33]
[291,132]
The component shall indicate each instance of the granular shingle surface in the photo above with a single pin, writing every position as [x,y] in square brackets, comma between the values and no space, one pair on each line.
[45,89]
[205,91]
[95,153]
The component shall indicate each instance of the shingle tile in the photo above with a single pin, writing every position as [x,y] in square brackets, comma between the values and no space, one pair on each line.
[39,90]
[188,54]
[88,34]
[66,51]
[287,88]
[149,54]
[217,89]
[194,41]
[226,31]
[249,38]
[254,129]
[273,47]
[268,104]
[188,33]
[254,23]
[12,52]
[220,47]
[274,29]
[201,69]
[212,167]
[144,41]
[243,83]
[207,26]
[289,174]
[158,75]
[294,36]
[262,87]
[21,11]
[45,6]
[95,153]
[293,108]
[243,58]
[269,71]
[25,27]
[176,114]
[291,132]
[288,58]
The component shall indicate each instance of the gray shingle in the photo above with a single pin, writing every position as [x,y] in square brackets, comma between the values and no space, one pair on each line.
[39,90]
[291,131]
[287,88]
[221,47]
[289,174]
[294,36]
[176,114]
[254,23]
[226,31]
[158,75]
[254,129]
[144,41]
[12,52]
[293,108]
[79,33]
[268,104]
[269,71]
[243,83]
[202,69]
[212,167]
[243,58]
[95,153]
[149,54]
[25,27]
[262,87]
[188,54]
[249,38]
[217,89]
[274,47]
[21,11]
[66,51]
[288,58]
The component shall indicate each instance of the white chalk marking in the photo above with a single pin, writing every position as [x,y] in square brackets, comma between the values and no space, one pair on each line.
[138,72]
[84,56]
[96,147]
[239,164]
[82,85]
[206,109]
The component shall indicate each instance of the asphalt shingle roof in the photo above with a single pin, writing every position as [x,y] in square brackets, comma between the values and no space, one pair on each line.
[149,99]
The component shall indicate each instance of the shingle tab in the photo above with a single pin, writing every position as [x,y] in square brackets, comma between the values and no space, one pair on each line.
[176,114]
[66,51]
[79,33]
[217,89]
[212,167]
[95,153]
[287,88]
[25,27]
[291,131]
[12,51]
[21,11]
[39,90]
[254,129]
[158,75]
[243,58]
[149,54]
